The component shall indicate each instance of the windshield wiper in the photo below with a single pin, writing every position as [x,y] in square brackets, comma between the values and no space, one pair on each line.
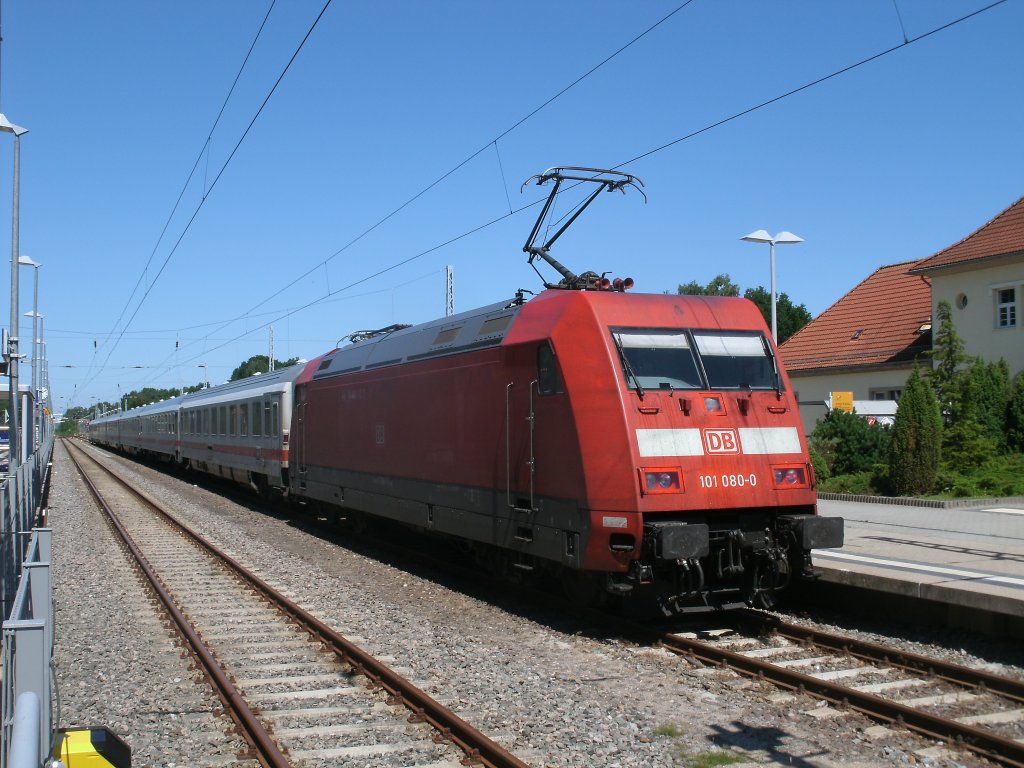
[630,373]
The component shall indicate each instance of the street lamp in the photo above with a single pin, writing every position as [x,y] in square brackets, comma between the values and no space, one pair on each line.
[206,373]
[25,261]
[761,236]
[9,127]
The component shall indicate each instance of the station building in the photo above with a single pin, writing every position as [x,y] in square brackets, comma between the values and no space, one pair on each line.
[866,343]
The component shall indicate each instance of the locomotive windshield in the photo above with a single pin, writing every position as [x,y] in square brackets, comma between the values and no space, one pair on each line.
[695,359]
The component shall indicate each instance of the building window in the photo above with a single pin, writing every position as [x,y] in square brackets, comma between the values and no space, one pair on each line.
[886,394]
[1006,308]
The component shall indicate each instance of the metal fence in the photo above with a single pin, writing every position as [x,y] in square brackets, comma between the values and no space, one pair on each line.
[27,601]
[27,656]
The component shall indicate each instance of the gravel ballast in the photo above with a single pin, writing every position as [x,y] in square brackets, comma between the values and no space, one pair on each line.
[553,692]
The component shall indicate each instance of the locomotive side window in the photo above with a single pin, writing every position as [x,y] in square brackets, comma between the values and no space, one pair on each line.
[657,359]
[549,381]
[736,360]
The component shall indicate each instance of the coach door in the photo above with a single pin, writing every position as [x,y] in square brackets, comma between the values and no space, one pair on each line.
[299,427]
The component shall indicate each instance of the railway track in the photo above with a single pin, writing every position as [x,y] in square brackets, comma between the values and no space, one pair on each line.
[299,692]
[967,708]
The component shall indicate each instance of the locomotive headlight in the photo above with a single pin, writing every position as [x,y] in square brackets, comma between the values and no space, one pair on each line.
[790,477]
[661,480]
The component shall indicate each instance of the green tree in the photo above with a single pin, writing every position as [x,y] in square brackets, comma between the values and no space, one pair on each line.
[948,356]
[985,392]
[966,442]
[789,317]
[849,443]
[916,439]
[722,285]
[258,364]
[1015,416]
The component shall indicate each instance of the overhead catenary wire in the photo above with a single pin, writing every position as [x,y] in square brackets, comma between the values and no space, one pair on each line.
[204,151]
[380,222]
[637,158]
[217,178]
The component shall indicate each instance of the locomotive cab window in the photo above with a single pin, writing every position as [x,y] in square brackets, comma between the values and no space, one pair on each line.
[737,360]
[549,380]
[657,358]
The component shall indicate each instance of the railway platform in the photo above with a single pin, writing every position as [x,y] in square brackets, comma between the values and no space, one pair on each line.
[961,565]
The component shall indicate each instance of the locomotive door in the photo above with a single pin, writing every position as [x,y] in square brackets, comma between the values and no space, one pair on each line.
[520,445]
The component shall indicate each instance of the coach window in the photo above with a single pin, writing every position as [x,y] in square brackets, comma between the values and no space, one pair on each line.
[223,420]
[206,421]
[257,422]
[214,423]
[232,419]
[268,430]
[273,417]
[243,419]
[549,382]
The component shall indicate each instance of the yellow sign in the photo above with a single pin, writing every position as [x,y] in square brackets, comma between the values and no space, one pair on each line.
[842,401]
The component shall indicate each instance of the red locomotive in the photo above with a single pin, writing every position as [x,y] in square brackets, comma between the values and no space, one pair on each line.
[630,442]
[634,444]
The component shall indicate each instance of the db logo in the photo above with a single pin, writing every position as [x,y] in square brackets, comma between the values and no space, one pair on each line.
[721,441]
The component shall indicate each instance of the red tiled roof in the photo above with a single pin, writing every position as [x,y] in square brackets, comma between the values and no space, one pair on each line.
[879,321]
[1003,234]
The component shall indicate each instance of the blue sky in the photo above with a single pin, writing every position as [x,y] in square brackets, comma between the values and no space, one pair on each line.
[889,162]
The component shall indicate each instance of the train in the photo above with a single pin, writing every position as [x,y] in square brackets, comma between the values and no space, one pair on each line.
[624,444]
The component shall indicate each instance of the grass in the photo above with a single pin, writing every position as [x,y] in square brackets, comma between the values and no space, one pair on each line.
[712,759]
[667,730]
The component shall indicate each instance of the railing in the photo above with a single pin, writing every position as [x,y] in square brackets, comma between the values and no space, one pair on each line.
[27,655]
[26,594]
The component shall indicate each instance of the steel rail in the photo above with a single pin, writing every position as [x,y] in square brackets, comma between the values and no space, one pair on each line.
[267,751]
[989,745]
[934,668]
[479,749]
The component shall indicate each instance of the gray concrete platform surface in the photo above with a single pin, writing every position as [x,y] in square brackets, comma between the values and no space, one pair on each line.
[969,559]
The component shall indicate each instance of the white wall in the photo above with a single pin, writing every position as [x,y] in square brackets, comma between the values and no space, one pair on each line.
[976,323]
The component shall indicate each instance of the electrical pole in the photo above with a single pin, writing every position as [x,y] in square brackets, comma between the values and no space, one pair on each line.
[449,303]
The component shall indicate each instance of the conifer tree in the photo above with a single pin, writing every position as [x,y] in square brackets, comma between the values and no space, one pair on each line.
[1015,416]
[965,441]
[916,438]
[948,356]
[992,392]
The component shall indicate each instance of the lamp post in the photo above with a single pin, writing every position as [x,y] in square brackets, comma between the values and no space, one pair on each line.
[9,127]
[783,238]
[25,261]
[206,373]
